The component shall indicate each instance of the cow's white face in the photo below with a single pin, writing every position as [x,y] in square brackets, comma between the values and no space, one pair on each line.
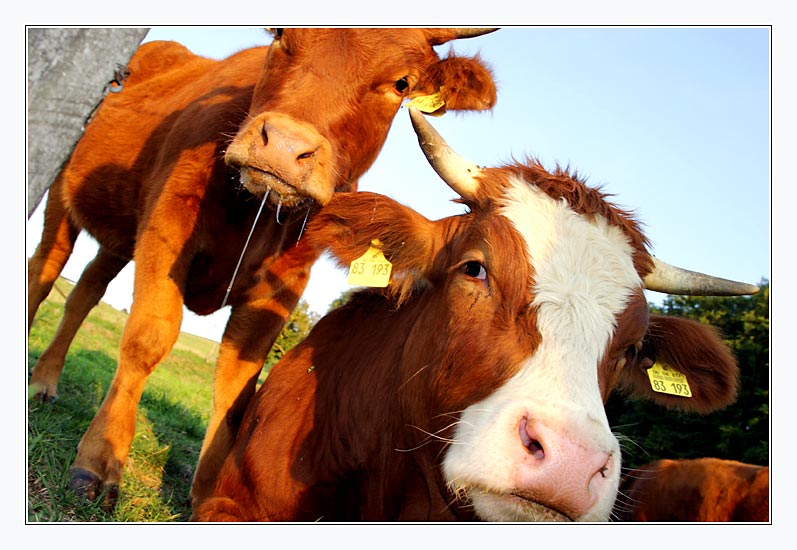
[543,436]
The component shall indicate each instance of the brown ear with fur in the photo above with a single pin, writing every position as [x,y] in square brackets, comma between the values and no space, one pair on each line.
[350,223]
[466,84]
[693,349]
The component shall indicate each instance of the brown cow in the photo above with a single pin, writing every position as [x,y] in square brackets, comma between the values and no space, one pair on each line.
[171,173]
[701,489]
[473,386]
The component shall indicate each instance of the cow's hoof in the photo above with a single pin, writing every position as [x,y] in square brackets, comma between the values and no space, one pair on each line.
[84,483]
[39,392]
[89,486]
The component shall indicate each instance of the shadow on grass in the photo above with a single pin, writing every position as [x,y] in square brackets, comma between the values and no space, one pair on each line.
[166,447]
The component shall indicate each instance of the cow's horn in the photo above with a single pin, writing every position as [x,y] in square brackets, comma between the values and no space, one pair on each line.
[441,36]
[674,280]
[459,173]
[471,33]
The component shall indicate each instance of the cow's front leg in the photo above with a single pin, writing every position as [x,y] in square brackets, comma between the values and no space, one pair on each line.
[248,337]
[247,340]
[148,336]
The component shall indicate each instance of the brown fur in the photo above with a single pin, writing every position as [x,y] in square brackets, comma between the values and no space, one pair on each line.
[352,423]
[702,489]
[148,181]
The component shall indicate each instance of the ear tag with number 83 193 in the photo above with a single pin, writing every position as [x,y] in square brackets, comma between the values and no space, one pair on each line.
[664,379]
[370,269]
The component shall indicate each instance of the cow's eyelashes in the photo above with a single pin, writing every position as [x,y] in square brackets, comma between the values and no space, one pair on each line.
[474,269]
[630,353]
[633,350]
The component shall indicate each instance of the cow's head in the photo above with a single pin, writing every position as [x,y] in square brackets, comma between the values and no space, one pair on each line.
[326,98]
[527,312]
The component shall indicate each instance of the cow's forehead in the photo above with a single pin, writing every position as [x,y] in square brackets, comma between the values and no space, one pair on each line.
[341,69]
[366,48]
[583,265]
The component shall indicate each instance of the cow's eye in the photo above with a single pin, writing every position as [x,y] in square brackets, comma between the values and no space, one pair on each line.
[474,269]
[630,354]
[402,84]
[633,350]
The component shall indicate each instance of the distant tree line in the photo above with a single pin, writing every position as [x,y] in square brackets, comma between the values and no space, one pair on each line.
[294,331]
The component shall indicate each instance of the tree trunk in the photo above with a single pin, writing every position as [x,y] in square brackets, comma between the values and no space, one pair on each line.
[68,74]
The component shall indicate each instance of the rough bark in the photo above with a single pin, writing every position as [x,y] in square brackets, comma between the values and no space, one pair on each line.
[69,70]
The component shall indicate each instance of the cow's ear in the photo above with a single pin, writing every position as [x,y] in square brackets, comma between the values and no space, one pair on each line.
[692,349]
[353,222]
[465,83]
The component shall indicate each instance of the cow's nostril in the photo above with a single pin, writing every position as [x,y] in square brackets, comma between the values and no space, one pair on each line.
[264,134]
[532,444]
[536,449]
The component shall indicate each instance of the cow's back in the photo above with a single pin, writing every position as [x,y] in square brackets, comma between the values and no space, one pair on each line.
[155,58]
[164,64]
[704,490]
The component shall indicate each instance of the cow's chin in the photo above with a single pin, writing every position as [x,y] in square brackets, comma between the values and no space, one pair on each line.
[280,193]
[508,507]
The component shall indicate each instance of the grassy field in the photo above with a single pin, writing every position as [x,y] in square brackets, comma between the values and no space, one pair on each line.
[171,422]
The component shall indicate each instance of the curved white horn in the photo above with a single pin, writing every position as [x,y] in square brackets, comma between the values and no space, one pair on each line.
[675,280]
[473,32]
[459,173]
[441,36]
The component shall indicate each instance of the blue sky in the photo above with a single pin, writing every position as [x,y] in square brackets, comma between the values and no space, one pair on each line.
[673,121]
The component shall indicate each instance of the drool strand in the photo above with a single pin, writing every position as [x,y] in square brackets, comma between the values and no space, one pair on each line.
[246,244]
[304,223]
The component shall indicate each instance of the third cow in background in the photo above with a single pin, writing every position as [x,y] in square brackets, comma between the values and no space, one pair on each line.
[701,489]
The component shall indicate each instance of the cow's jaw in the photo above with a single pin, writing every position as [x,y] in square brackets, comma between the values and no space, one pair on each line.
[277,191]
[540,447]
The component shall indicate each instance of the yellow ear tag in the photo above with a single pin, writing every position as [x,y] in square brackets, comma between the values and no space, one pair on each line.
[429,104]
[370,269]
[664,379]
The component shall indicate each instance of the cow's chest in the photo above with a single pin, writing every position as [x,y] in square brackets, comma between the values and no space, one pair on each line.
[242,268]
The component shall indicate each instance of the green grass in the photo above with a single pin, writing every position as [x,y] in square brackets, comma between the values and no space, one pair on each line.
[170,425]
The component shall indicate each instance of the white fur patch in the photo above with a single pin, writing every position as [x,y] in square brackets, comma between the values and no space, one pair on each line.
[584,276]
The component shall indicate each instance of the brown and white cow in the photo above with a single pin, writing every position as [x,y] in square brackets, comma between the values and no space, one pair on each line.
[472,387]
[171,173]
[700,489]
